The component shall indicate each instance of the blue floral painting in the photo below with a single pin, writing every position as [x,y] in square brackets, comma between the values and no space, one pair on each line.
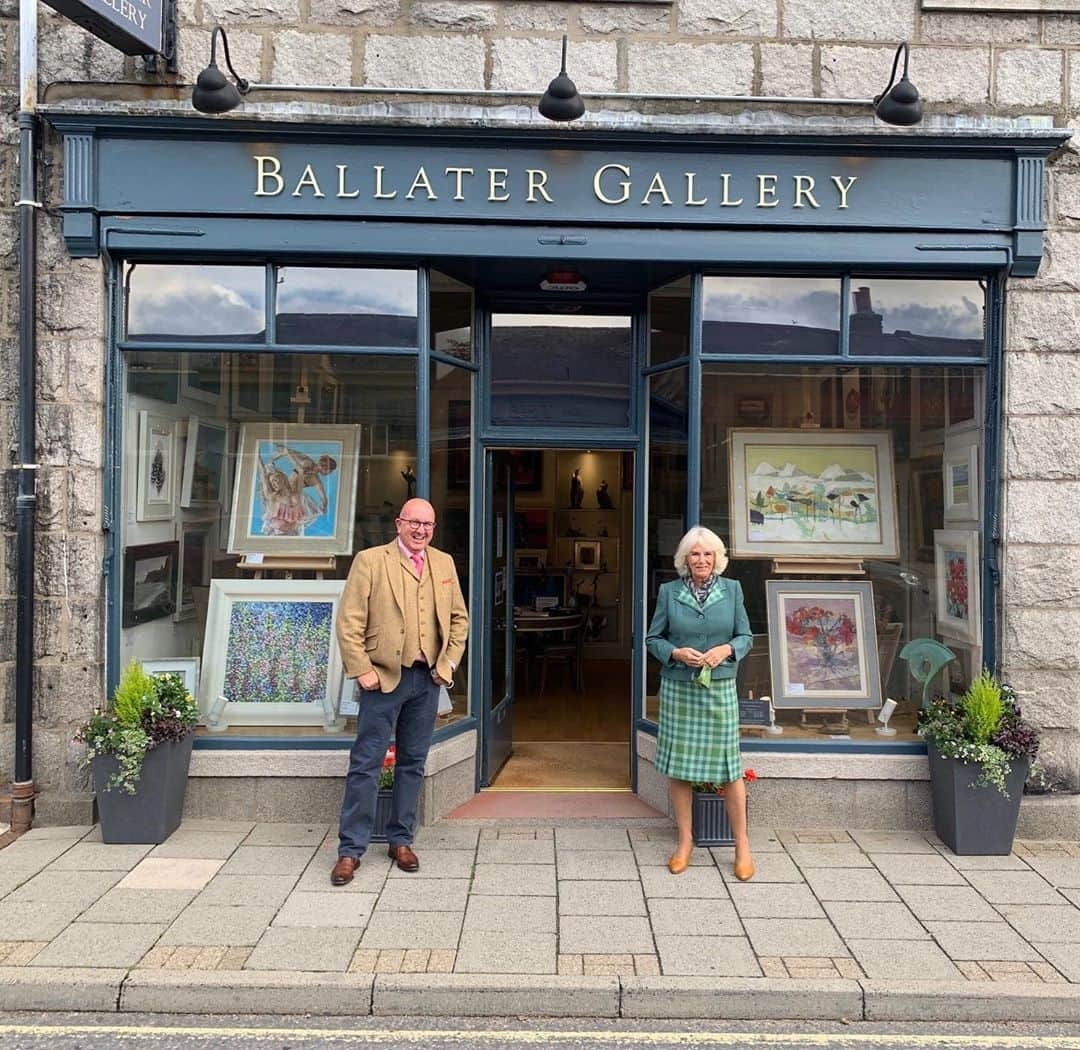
[296,490]
[278,652]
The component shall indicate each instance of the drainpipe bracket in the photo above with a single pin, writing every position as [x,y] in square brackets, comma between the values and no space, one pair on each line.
[28,204]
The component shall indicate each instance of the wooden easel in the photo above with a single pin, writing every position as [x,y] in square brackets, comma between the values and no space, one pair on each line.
[288,564]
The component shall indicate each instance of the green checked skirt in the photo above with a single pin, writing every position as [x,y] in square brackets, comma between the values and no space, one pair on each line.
[699,731]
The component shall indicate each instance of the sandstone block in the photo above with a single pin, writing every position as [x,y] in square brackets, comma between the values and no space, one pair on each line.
[9,369]
[1043,512]
[624,18]
[1047,696]
[71,298]
[193,51]
[1043,447]
[1042,321]
[1037,575]
[854,72]
[1043,638]
[1028,78]
[554,17]
[86,432]
[450,14]
[233,12]
[9,233]
[1059,29]
[50,627]
[7,627]
[51,361]
[85,627]
[425,61]
[1060,267]
[53,434]
[86,370]
[84,500]
[51,512]
[1042,384]
[787,69]
[68,566]
[355,12]
[66,51]
[728,17]
[957,27]
[952,74]
[680,69]
[311,58]
[850,20]
[1059,755]
[66,692]
[528,65]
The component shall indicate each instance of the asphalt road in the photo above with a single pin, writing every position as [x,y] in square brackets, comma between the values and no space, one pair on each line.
[159,1032]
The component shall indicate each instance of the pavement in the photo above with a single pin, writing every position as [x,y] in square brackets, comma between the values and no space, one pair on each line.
[580,920]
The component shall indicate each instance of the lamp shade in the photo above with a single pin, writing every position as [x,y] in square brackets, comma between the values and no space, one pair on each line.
[214,92]
[900,105]
[561,101]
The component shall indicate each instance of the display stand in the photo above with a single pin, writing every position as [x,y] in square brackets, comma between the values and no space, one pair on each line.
[287,564]
[829,723]
[795,566]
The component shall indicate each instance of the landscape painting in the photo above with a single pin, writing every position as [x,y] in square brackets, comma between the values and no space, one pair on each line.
[823,644]
[812,493]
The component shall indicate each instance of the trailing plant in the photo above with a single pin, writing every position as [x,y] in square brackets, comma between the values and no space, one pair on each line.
[146,711]
[986,729]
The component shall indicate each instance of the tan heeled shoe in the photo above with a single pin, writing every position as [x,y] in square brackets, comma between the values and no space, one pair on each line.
[744,871]
[677,865]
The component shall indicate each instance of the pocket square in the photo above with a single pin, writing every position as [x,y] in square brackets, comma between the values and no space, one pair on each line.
[448,581]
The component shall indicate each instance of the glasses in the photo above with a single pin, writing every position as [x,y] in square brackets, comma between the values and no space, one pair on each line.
[427,526]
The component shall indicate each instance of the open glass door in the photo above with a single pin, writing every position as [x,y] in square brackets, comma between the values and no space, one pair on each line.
[500,538]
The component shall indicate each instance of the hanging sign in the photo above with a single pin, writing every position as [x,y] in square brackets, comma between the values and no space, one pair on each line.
[132,26]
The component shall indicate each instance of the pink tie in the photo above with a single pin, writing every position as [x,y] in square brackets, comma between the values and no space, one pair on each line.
[418,562]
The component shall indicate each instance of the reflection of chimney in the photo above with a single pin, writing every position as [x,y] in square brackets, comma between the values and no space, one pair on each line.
[864,322]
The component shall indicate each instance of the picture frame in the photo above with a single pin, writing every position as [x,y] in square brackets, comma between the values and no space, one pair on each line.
[206,464]
[376,440]
[587,555]
[812,493]
[251,389]
[752,409]
[530,560]
[956,584]
[927,506]
[194,562]
[532,529]
[187,667]
[959,673]
[823,649]
[528,470]
[295,489]
[271,651]
[963,403]
[149,582]
[202,377]
[155,485]
[962,481]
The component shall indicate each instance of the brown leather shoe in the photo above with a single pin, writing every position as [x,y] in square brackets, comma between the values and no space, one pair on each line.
[404,857]
[343,870]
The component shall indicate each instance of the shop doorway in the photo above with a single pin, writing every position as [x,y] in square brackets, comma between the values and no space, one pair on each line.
[560,543]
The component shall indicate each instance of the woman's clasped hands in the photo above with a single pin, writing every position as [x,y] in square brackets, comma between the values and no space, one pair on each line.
[711,657]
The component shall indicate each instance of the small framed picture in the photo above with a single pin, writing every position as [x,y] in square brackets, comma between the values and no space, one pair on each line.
[155,494]
[530,560]
[202,377]
[149,582]
[963,405]
[587,554]
[206,464]
[187,667]
[956,573]
[753,409]
[195,560]
[962,482]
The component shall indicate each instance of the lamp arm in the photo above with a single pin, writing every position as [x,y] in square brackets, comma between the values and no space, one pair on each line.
[892,76]
[242,85]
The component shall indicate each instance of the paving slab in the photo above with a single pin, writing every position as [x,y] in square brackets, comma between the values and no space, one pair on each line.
[591,838]
[517,851]
[848,884]
[218,924]
[287,835]
[1065,957]
[294,948]
[424,895]
[326,908]
[62,833]
[795,937]
[527,880]
[774,901]
[875,920]
[439,864]
[511,915]
[902,869]
[1011,862]
[164,873]
[975,941]
[422,929]
[828,855]
[903,959]
[370,877]
[97,856]
[893,842]
[100,944]
[125,906]
[1054,924]
[484,951]
[619,865]
[220,827]
[947,904]
[613,934]
[740,999]
[601,898]
[203,845]
[60,989]
[446,835]
[1063,872]
[35,920]
[695,883]
[60,887]
[243,889]
[768,867]
[269,860]
[706,918]
[1071,894]
[691,955]
[975,1001]
[651,854]
[1014,887]
[762,840]
[32,856]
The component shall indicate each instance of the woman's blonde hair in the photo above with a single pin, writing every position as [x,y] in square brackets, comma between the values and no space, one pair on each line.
[700,536]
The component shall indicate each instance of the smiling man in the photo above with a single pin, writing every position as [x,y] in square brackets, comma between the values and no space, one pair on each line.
[402,625]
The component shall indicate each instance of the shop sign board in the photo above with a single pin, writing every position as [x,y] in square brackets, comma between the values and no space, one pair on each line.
[132,26]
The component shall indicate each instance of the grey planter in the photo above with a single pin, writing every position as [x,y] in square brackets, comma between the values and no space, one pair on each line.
[710,821]
[974,821]
[153,813]
[382,816]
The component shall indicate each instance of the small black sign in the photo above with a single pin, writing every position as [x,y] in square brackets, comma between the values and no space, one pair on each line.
[131,26]
[753,712]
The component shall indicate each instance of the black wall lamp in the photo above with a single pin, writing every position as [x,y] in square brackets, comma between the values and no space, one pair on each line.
[899,103]
[561,101]
[213,92]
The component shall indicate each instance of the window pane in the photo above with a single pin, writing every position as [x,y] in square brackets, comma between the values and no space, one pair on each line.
[669,322]
[225,304]
[451,317]
[554,370]
[924,318]
[771,315]
[321,306]
[255,452]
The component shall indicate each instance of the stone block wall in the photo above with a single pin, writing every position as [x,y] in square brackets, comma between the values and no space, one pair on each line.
[965,64]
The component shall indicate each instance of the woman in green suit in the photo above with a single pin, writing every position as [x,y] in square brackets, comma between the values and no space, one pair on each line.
[699,633]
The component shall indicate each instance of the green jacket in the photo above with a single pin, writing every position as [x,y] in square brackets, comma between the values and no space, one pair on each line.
[679,622]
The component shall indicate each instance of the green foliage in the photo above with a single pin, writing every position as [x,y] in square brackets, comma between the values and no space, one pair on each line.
[134,692]
[983,707]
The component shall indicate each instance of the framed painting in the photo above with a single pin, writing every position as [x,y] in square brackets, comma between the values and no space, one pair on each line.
[532,528]
[206,464]
[956,584]
[252,387]
[807,493]
[187,667]
[927,506]
[202,377]
[149,591]
[155,486]
[528,470]
[271,651]
[963,405]
[823,647]
[195,560]
[587,554]
[960,471]
[295,490]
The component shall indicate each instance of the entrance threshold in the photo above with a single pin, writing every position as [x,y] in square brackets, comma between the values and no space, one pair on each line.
[555,805]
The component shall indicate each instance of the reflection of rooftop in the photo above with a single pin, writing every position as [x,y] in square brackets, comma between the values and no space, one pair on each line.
[745,337]
[311,330]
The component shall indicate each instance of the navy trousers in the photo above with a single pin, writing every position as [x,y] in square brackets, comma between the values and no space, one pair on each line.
[412,706]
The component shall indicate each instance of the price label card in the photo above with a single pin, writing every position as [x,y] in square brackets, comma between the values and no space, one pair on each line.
[254,559]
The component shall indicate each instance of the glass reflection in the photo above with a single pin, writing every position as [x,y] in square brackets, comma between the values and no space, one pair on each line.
[771,315]
[184,303]
[557,370]
[325,306]
[669,322]
[451,317]
[926,318]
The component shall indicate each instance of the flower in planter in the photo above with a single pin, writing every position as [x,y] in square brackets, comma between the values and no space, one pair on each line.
[708,787]
[146,710]
[386,774]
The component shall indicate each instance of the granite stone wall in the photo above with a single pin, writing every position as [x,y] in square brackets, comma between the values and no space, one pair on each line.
[967,65]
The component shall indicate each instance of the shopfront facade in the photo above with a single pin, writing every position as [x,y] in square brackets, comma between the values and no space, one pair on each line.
[736,325]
